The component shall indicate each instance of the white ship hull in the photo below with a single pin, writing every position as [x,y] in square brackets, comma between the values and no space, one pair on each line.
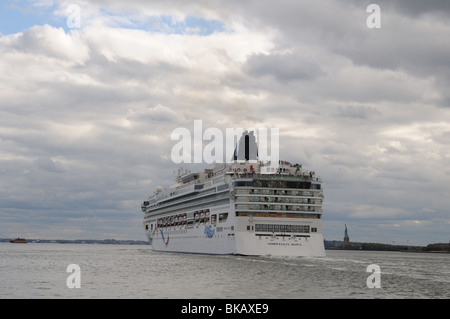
[238,236]
[201,238]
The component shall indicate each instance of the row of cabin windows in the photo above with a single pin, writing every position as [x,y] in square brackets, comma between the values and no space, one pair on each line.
[277,184]
[182,220]
[287,200]
[283,228]
[274,192]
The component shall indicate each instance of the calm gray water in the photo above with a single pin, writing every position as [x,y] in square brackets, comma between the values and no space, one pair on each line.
[120,271]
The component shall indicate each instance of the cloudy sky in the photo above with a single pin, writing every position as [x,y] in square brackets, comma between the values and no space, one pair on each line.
[90,92]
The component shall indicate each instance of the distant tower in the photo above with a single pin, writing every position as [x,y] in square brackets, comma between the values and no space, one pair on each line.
[346,238]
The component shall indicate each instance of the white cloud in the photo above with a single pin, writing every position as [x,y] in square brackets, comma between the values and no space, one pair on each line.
[49,42]
[86,114]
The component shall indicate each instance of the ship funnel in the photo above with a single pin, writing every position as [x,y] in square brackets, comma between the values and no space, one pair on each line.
[246,149]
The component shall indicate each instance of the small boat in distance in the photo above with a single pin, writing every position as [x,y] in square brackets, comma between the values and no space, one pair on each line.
[18,241]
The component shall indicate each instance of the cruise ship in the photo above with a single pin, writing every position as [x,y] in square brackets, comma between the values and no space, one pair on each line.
[245,207]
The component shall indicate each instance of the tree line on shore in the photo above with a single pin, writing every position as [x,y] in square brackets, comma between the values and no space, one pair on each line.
[436,247]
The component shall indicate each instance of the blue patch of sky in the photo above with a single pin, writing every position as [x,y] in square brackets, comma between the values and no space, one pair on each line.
[202,26]
[167,24]
[20,15]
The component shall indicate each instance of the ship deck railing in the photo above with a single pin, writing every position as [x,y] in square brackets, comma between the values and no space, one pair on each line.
[303,177]
[191,202]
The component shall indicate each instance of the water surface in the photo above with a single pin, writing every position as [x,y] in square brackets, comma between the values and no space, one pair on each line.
[121,271]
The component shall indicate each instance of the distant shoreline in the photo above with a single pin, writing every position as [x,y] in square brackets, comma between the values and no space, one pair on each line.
[430,248]
[329,245]
[81,241]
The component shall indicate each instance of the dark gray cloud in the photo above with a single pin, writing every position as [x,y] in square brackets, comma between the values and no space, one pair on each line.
[405,7]
[284,68]
[417,7]
[47,164]
[358,112]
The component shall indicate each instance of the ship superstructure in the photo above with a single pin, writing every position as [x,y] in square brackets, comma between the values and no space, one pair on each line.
[244,207]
